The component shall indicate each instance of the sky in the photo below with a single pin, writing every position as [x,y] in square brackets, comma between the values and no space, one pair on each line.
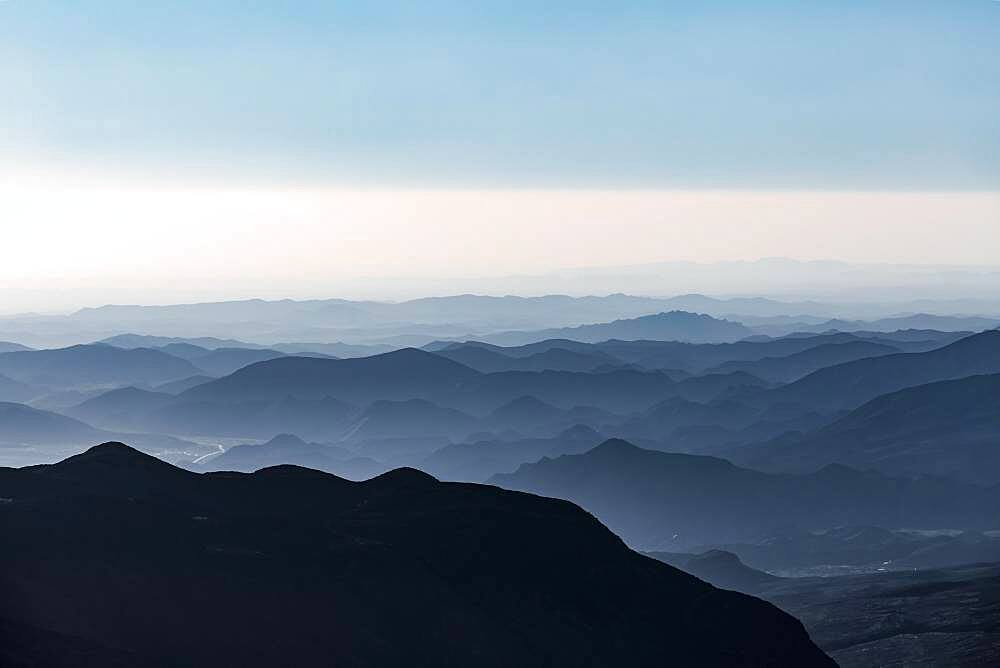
[299,146]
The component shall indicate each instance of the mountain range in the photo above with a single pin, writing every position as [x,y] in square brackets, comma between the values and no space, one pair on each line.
[670,502]
[949,428]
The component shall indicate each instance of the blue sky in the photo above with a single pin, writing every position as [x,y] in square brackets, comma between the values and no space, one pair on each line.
[879,95]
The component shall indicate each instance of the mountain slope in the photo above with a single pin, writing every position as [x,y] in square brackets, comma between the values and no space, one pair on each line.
[402,374]
[669,502]
[849,385]
[93,365]
[122,408]
[795,366]
[491,359]
[23,424]
[15,390]
[949,428]
[286,449]
[719,568]
[291,566]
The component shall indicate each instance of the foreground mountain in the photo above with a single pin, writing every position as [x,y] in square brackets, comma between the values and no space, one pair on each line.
[290,566]
[949,428]
[671,502]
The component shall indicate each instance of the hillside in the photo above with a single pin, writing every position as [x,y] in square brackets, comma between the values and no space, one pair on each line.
[671,502]
[398,570]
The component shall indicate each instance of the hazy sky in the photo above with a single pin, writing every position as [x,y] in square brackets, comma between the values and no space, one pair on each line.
[293,145]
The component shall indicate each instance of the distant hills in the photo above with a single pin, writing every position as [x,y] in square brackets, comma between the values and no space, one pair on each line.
[20,424]
[89,365]
[290,449]
[402,374]
[15,390]
[669,326]
[858,548]
[29,435]
[478,460]
[669,502]
[949,428]
[720,568]
[792,367]
[398,570]
[850,384]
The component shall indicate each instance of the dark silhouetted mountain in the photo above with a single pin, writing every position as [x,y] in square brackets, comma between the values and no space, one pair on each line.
[659,500]
[290,449]
[949,428]
[178,386]
[719,568]
[10,347]
[848,385]
[402,374]
[477,461]
[292,566]
[792,367]
[93,365]
[672,326]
